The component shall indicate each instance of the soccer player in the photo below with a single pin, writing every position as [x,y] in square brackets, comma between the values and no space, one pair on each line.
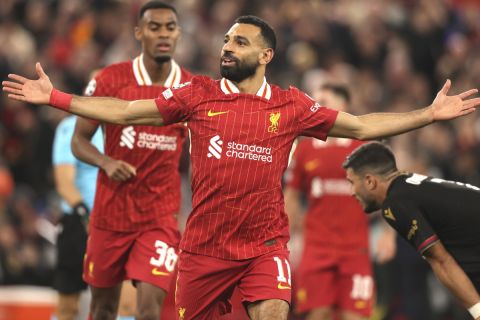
[133,228]
[335,271]
[75,183]
[242,129]
[438,218]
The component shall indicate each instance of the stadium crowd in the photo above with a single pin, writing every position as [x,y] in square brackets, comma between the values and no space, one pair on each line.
[391,54]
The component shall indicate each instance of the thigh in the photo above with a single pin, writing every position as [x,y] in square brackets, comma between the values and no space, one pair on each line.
[204,286]
[71,243]
[315,287]
[268,309]
[153,258]
[356,285]
[267,277]
[107,254]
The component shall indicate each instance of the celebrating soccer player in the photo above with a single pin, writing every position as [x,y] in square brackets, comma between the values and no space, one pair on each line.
[242,129]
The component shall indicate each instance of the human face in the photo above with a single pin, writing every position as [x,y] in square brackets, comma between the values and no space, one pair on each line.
[242,52]
[364,191]
[158,31]
[328,98]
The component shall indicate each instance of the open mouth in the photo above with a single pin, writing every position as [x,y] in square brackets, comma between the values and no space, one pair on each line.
[164,47]
[228,61]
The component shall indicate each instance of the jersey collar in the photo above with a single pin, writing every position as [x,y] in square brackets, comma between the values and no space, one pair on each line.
[228,87]
[143,78]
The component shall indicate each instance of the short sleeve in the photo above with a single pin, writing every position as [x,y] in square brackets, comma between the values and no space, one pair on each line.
[176,104]
[410,224]
[62,152]
[98,87]
[294,176]
[315,120]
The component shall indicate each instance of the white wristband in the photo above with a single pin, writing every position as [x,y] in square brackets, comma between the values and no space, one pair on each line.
[475,310]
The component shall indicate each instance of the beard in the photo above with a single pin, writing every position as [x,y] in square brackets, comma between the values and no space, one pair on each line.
[369,205]
[162,59]
[240,71]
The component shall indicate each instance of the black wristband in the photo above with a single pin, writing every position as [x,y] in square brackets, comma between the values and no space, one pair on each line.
[81,209]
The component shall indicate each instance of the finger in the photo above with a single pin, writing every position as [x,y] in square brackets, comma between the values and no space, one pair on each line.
[446,87]
[468,93]
[13,90]
[40,71]
[472,103]
[467,111]
[131,169]
[127,171]
[17,78]
[119,176]
[12,84]
[17,97]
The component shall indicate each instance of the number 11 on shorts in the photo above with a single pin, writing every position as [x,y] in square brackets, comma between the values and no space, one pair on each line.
[281,272]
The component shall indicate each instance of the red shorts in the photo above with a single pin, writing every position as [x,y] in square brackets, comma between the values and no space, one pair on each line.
[343,282]
[147,256]
[205,284]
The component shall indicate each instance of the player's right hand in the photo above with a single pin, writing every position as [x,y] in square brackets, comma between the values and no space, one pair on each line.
[119,170]
[32,91]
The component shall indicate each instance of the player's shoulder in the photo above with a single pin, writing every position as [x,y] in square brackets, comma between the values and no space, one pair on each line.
[186,74]
[200,83]
[114,70]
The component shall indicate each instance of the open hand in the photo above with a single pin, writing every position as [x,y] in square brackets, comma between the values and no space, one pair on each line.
[449,107]
[32,91]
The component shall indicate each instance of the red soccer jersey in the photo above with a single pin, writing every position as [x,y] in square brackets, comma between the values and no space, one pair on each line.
[335,222]
[152,198]
[240,144]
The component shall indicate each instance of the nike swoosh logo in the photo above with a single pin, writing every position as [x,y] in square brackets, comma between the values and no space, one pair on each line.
[309,166]
[156,272]
[282,287]
[213,114]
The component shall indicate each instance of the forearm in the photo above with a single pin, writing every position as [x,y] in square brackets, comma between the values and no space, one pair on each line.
[455,279]
[380,125]
[85,151]
[110,110]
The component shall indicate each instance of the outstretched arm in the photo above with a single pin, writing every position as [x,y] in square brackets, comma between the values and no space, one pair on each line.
[111,110]
[451,275]
[379,125]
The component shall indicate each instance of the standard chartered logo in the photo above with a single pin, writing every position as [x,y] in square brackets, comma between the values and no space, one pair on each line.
[239,150]
[147,140]
[128,137]
[215,147]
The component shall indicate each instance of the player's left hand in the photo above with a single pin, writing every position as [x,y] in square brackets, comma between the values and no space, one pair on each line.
[449,107]
[32,91]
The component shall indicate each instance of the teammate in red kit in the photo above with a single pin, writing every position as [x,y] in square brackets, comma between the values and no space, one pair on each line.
[242,129]
[335,272]
[133,231]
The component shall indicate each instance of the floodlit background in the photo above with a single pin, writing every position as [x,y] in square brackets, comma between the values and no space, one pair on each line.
[392,54]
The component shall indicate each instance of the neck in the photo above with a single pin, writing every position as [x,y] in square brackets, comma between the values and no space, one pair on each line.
[158,72]
[252,84]
[387,181]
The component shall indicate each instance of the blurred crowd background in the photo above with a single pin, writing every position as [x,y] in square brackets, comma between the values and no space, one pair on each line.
[392,54]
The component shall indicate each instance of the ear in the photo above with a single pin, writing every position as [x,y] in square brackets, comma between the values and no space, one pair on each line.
[266,56]
[138,33]
[371,182]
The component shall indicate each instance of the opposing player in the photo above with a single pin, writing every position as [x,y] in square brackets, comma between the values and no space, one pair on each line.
[335,272]
[438,218]
[242,129]
[75,183]
[133,232]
